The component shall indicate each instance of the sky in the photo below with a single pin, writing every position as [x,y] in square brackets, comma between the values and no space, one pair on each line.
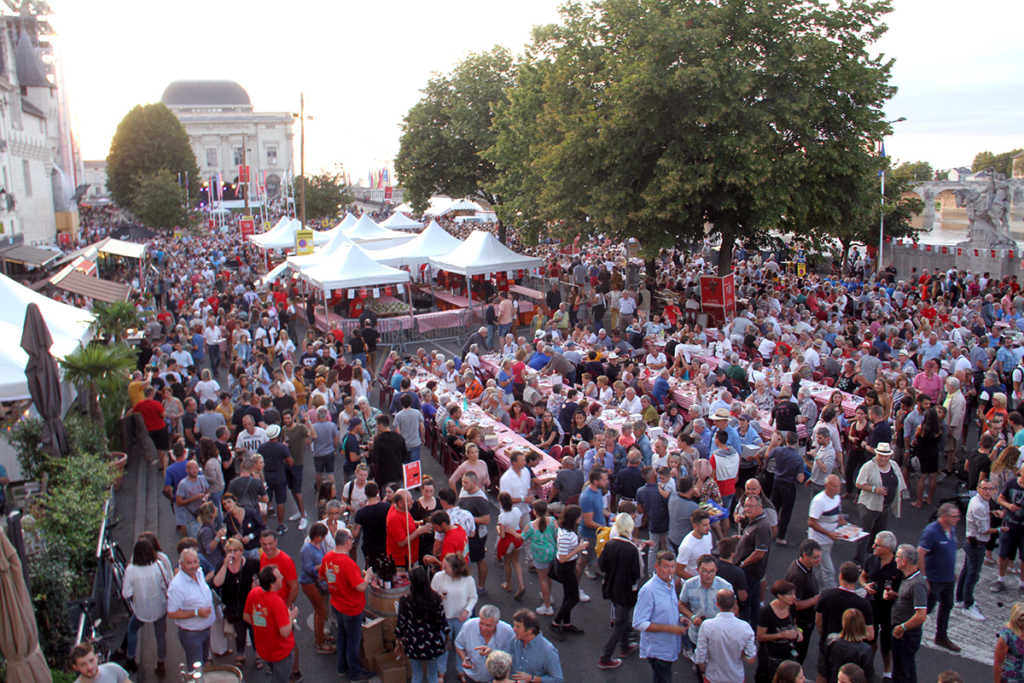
[361,66]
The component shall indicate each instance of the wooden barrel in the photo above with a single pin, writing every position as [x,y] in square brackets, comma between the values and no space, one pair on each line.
[383,602]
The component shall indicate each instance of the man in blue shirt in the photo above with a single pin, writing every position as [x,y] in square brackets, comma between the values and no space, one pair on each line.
[539,359]
[592,504]
[643,442]
[937,563]
[532,653]
[655,507]
[662,389]
[657,617]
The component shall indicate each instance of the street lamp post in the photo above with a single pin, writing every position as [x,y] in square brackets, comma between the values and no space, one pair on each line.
[881,217]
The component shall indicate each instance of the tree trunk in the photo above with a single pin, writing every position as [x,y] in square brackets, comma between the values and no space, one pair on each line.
[652,268]
[845,257]
[725,252]
[502,236]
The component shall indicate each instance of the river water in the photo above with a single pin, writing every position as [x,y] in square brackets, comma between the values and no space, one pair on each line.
[950,227]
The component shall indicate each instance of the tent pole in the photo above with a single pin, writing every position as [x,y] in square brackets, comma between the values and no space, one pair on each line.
[412,311]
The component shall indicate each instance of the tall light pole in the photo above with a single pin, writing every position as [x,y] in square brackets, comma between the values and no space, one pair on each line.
[881,217]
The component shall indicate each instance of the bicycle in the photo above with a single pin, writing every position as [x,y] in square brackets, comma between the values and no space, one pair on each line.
[87,629]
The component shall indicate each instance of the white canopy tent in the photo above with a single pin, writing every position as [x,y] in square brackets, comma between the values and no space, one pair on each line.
[482,253]
[351,266]
[107,245]
[433,241]
[13,360]
[399,221]
[285,238]
[338,240]
[280,226]
[371,236]
[462,205]
[347,222]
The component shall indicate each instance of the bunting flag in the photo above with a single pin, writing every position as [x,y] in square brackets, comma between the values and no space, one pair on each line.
[881,153]
[370,178]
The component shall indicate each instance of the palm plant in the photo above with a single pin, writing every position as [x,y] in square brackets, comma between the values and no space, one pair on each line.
[90,365]
[116,318]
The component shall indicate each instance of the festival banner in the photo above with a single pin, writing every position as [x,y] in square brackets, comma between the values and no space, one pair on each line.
[411,473]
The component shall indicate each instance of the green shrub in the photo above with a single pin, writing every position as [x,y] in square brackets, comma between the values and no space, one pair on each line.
[54,584]
[84,435]
[26,436]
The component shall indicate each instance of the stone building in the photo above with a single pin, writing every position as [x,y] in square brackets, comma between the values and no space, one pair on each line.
[220,121]
[33,185]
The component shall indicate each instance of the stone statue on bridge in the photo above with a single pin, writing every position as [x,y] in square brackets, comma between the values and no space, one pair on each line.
[988,212]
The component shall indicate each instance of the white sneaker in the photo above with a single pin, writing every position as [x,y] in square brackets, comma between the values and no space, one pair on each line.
[297,516]
[974,613]
[303,524]
[959,604]
[905,495]
[584,597]
[545,611]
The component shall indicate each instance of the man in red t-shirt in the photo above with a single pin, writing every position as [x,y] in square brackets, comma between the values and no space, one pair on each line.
[152,412]
[454,540]
[347,586]
[271,622]
[288,588]
[403,535]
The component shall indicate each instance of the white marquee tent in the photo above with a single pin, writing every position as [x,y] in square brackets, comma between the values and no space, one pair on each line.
[482,253]
[285,237]
[372,236]
[338,240]
[399,221]
[347,222]
[433,241]
[352,266]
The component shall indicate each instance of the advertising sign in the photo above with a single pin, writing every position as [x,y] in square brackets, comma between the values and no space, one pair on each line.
[248,226]
[303,242]
[718,292]
[243,174]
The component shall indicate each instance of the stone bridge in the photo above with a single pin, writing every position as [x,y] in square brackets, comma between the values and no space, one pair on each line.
[943,190]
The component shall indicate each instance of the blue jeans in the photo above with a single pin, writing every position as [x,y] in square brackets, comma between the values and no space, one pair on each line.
[214,352]
[753,599]
[350,634]
[941,592]
[974,557]
[281,671]
[417,670]
[442,662]
[361,357]
[662,670]
[490,336]
[414,454]
[196,645]
[159,626]
[904,653]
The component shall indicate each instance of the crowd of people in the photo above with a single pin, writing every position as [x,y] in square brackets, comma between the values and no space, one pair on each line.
[683,446]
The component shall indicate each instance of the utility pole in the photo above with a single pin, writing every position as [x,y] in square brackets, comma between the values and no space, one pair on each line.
[302,159]
[245,185]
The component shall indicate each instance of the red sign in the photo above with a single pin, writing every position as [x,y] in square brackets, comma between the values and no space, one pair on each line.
[248,226]
[718,292]
[212,223]
[387,194]
[243,174]
[64,239]
[411,472]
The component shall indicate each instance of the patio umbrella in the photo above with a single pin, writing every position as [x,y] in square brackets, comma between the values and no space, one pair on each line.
[133,232]
[44,380]
[19,639]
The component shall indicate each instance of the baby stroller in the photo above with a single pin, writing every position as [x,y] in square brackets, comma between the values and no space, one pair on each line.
[961,495]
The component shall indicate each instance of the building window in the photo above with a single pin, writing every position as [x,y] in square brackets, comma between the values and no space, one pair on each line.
[239,158]
[271,155]
[27,170]
[211,157]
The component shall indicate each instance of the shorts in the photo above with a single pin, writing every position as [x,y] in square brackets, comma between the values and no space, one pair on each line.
[1011,542]
[504,544]
[161,439]
[293,478]
[323,464]
[277,491]
[541,565]
[477,549]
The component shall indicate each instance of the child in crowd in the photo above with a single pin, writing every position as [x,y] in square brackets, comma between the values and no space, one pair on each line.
[509,543]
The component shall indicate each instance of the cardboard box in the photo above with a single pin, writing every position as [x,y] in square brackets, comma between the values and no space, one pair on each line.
[372,643]
[389,669]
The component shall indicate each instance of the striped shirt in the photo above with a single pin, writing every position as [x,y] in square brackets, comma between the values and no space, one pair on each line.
[567,542]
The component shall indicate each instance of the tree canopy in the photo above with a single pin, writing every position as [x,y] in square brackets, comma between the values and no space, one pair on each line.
[159,202]
[654,119]
[149,138]
[326,194]
[1003,163]
[914,170]
[444,134]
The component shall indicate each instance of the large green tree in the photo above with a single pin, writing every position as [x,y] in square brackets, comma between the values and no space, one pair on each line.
[914,170]
[159,202]
[1003,163]
[444,134]
[149,138]
[326,194]
[656,119]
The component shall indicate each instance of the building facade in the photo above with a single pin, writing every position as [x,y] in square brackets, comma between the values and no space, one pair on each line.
[95,175]
[33,185]
[225,130]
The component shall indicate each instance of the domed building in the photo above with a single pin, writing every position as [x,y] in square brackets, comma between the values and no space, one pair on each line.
[219,119]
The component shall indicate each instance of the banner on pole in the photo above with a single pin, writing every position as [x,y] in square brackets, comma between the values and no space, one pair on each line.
[247,226]
[243,174]
[411,471]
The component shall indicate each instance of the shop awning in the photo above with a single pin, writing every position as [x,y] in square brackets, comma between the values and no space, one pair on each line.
[76,282]
[29,256]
